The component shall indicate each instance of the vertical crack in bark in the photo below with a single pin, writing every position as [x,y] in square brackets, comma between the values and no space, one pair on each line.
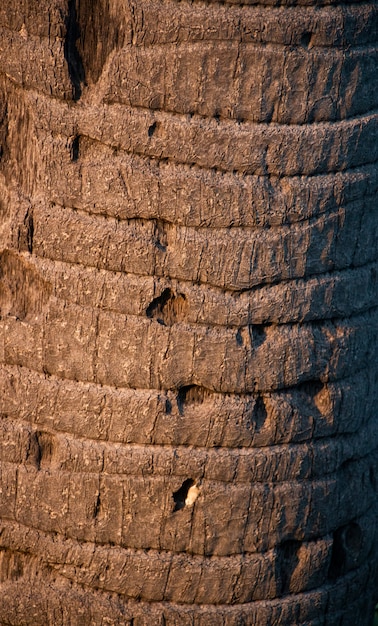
[71,53]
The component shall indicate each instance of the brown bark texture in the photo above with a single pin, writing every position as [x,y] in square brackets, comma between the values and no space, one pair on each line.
[188,295]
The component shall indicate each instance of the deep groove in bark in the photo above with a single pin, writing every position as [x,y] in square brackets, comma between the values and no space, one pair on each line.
[288,561]
[74,61]
[75,148]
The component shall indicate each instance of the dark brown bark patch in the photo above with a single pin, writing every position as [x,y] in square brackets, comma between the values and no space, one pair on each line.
[41,448]
[11,565]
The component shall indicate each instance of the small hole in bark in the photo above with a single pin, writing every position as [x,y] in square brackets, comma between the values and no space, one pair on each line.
[259,413]
[316,394]
[257,334]
[168,406]
[151,129]
[75,148]
[191,394]
[167,309]
[347,545]
[306,39]
[186,495]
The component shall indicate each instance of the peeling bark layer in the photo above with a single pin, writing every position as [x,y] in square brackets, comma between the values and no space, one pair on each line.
[188,312]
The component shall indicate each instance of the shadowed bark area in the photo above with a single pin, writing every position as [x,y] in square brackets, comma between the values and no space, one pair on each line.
[188,312]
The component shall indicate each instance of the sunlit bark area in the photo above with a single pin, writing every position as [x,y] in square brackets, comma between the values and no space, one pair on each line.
[188,300]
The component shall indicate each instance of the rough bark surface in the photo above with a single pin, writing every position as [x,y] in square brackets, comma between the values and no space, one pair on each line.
[188,297]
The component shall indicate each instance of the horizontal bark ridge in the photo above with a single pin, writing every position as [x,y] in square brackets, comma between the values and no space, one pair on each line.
[188,312]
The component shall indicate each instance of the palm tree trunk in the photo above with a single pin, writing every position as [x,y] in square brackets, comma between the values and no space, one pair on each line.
[188,354]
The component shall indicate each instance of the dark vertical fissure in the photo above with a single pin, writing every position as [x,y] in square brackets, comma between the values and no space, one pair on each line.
[71,53]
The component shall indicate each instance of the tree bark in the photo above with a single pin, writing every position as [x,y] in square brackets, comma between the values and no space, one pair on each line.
[188,298]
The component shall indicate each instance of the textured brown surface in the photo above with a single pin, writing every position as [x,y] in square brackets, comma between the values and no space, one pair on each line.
[188,313]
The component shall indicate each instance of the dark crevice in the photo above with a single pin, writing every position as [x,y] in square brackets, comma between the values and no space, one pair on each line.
[168,308]
[180,495]
[152,129]
[189,395]
[161,230]
[311,388]
[259,414]
[3,127]
[156,307]
[346,549]
[29,231]
[35,451]
[306,40]
[101,30]
[258,334]
[287,562]
[71,54]
[26,233]
[96,508]
[239,337]
[75,148]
